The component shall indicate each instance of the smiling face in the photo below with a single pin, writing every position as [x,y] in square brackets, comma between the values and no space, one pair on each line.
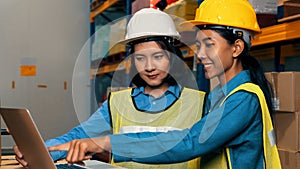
[152,63]
[219,58]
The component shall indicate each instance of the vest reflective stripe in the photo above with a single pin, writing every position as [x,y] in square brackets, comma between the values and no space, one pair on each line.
[271,157]
[137,129]
[183,113]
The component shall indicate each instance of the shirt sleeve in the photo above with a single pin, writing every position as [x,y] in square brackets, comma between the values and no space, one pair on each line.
[212,132]
[96,126]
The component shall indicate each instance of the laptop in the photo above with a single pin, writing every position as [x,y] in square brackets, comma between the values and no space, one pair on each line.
[28,139]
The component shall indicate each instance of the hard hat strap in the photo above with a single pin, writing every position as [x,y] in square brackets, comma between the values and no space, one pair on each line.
[239,33]
[155,38]
[245,35]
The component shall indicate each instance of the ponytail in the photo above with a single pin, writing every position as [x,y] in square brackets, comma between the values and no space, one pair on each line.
[258,77]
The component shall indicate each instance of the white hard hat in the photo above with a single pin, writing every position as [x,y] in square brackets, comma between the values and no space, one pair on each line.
[149,22]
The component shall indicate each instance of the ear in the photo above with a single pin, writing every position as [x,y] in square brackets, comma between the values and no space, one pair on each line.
[238,48]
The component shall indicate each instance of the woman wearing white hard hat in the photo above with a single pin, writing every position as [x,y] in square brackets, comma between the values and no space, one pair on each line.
[159,73]
[160,100]
[236,130]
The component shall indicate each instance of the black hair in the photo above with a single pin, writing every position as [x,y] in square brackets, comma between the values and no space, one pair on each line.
[250,63]
[162,4]
[177,70]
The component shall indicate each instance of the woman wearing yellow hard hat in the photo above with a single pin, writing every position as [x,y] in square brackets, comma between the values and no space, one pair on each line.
[236,130]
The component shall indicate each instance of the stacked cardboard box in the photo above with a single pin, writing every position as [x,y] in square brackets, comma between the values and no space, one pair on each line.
[286,87]
[289,159]
[287,130]
[266,12]
[286,90]
[288,9]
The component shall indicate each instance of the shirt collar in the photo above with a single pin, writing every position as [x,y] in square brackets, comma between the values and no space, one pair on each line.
[137,91]
[173,89]
[242,77]
[219,92]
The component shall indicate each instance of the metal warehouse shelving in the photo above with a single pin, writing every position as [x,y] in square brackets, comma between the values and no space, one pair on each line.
[268,44]
[277,42]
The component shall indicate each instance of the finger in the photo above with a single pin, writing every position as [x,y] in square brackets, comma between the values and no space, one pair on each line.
[17,152]
[74,155]
[79,151]
[87,157]
[61,147]
[22,161]
[70,151]
[19,156]
[82,151]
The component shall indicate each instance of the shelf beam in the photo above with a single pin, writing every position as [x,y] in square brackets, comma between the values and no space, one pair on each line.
[101,8]
[278,33]
[124,65]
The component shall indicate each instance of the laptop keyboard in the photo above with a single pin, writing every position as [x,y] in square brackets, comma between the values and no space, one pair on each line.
[67,166]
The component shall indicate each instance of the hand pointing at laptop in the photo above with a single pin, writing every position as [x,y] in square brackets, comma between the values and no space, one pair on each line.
[79,150]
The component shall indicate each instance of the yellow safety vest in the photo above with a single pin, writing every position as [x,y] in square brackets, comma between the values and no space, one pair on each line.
[271,157]
[183,113]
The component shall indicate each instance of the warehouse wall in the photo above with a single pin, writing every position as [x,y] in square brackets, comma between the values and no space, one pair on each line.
[47,36]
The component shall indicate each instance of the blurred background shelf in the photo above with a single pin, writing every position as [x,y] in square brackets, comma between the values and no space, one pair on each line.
[278,33]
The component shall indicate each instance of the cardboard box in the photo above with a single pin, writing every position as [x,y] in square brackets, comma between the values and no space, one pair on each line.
[287,130]
[265,20]
[289,159]
[266,12]
[289,91]
[286,91]
[287,9]
[272,77]
[280,2]
[138,5]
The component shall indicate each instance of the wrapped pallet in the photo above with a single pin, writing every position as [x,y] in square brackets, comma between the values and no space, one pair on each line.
[183,8]
[117,33]
[266,11]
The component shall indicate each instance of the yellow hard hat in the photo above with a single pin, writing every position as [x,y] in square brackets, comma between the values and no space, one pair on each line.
[233,13]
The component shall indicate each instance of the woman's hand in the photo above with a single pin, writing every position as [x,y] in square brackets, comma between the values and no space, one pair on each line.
[79,150]
[20,157]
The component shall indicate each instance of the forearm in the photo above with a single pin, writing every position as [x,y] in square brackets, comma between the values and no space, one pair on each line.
[75,133]
[155,148]
[97,125]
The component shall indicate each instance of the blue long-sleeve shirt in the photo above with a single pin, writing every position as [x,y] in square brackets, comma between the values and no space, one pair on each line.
[99,123]
[236,124]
